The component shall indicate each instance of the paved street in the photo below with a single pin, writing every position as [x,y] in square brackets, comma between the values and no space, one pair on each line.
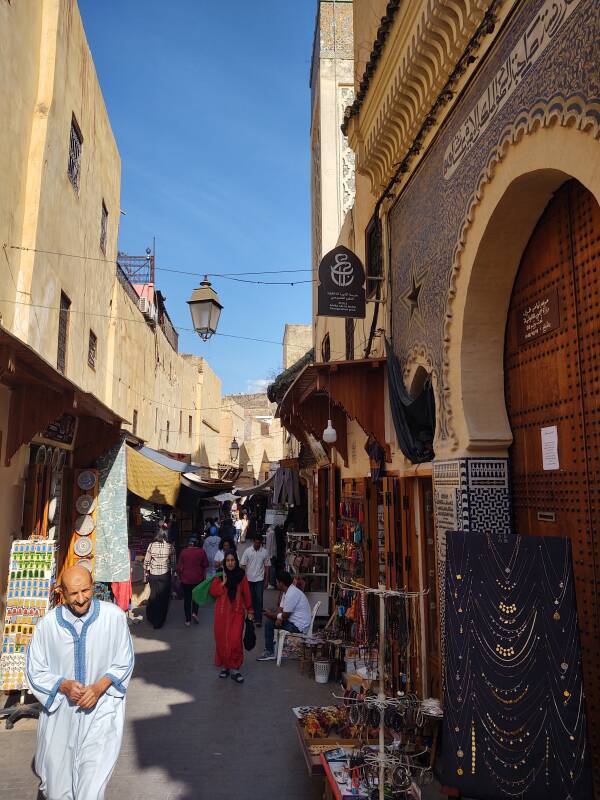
[189,735]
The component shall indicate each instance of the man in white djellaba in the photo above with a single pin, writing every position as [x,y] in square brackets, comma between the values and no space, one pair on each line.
[78,666]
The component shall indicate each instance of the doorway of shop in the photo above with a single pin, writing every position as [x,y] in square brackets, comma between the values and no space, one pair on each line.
[552,388]
[410,547]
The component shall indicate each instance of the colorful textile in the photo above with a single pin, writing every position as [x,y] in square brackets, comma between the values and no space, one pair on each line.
[122,593]
[150,480]
[112,551]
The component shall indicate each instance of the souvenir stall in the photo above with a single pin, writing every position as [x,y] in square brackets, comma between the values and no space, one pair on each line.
[71,515]
[357,553]
[376,741]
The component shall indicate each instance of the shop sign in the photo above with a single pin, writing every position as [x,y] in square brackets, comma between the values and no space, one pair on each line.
[341,290]
[539,318]
[60,432]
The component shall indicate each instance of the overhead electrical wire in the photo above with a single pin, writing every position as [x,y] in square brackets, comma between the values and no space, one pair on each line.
[333,356]
[230,276]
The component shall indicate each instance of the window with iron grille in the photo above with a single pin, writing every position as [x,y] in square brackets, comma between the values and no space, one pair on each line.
[190,427]
[134,424]
[168,430]
[63,332]
[75,146]
[374,257]
[92,349]
[326,348]
[103,227]
[349,339]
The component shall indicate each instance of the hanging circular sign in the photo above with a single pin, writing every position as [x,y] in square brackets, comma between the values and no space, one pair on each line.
[86,480]
[85,504]
[85,525]
[83,547]
[85,562]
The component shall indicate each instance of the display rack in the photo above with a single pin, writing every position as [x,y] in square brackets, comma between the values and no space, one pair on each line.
[316,579]
[384,760]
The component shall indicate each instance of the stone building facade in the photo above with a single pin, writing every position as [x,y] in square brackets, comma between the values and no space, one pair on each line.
[475,128]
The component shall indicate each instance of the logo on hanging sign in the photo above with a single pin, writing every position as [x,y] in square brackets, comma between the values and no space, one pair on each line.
[341,291]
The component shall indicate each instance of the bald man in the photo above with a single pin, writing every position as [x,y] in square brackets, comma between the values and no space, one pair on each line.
[78,666]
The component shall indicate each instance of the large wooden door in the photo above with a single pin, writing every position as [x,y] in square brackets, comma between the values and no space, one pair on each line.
[552,378]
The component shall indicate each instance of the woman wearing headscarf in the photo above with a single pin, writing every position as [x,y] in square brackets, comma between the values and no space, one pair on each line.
[233,603]
[159,567]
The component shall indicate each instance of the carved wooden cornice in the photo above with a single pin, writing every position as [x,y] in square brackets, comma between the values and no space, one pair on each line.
[421,51]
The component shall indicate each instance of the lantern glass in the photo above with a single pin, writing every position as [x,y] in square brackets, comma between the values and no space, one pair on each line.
[234,450]
[205,309]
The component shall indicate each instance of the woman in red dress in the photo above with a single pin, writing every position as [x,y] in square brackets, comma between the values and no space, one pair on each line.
[232,594]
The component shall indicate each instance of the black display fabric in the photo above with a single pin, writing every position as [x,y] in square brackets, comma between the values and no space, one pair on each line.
[514,709]
[414,418]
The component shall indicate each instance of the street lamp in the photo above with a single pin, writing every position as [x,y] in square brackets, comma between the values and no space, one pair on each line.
[205,309]
[234,451]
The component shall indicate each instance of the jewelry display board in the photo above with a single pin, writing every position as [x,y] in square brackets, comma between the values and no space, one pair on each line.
[514,707]
[31,575]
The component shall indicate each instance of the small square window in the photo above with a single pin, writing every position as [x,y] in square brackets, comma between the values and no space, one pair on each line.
[103,227]
[92,349]
[75,147]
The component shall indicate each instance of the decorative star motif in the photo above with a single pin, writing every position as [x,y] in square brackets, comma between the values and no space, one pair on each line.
[412,298]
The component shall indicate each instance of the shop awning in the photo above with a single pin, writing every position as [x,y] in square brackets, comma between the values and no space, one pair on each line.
[246,491]
[151,479]
[353,389]
[41,394]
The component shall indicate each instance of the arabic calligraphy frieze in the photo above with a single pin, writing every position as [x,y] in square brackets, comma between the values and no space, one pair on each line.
[427,218]
[539,33]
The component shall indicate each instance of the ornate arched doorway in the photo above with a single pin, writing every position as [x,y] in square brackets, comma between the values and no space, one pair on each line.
[552,387]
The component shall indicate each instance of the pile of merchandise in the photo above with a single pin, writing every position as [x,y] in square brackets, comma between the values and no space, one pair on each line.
[31,576]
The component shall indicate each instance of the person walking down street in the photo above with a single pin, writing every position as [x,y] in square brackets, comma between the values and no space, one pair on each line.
[255,562]
[191,569]
[238,525]
[233,603]
[159,566]
[293,614]
[227,529]
[211,548]
[225,545]
[79,664]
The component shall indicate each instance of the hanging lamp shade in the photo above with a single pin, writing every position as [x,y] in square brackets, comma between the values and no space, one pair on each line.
[205,309]
[234,451]
[329,434]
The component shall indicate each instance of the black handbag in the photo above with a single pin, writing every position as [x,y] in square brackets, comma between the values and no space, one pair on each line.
[249,635]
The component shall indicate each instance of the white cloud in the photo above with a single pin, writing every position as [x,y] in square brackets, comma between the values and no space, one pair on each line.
[257,385]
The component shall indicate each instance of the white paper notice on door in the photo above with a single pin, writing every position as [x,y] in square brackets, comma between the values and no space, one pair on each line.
[550,448]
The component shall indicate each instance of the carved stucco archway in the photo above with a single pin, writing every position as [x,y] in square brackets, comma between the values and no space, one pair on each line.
[520,183]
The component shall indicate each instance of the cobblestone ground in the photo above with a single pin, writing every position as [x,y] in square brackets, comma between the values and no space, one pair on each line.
[189,735]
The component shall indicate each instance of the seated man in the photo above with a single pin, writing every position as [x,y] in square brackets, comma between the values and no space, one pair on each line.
[293,614]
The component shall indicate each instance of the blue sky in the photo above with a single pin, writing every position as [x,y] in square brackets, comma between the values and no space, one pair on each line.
[210,106]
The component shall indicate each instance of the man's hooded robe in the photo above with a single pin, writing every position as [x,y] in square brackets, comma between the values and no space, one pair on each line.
[77,749]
